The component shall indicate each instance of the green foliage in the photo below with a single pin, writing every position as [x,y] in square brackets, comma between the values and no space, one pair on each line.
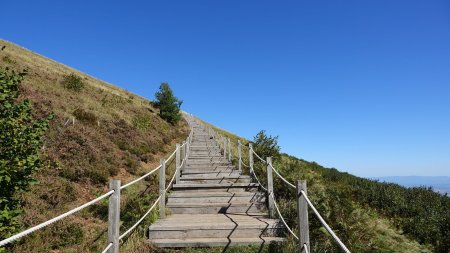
[142,121]
[73,82]
[266,146]
[85,116]
[21,137]
[168,104]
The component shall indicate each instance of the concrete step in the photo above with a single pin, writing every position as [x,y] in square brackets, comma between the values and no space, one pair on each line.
[216,242]
[211,197]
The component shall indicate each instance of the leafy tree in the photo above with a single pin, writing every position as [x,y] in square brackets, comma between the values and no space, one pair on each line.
[266,146]
[168,104]
[20,140]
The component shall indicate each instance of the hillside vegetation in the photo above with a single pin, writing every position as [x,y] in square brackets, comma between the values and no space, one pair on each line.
[99,132]
[367,215]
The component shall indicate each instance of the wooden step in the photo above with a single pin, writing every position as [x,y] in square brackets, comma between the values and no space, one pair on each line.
[215,207]
[216,242]
[210,197]
[231,187]
[181,226]
[213,179]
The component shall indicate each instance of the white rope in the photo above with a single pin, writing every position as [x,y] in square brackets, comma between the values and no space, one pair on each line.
[343,247]
[253,151]
[153,206]
[244,163]
[171,156]
[44,224]
[139,179]
[282,178]
[306,248]
[257,180]
[140,220]
[171,181]
[107,247]
[281,216]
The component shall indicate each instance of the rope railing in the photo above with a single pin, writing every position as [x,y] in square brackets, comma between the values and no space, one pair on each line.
[108,194]
[327,227]
[107,247]
[46,223]
[303,193]
[281,216]
[140,178]
[253,151]
[140,220]
[281,177]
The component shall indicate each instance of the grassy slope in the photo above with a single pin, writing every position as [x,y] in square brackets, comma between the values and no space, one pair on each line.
[116,135]
[361,228]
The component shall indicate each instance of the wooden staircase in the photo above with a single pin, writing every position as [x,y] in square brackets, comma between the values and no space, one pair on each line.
[214,205]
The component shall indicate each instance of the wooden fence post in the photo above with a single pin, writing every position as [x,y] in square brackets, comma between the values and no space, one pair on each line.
[225,148]
[303,224]
[270,187]
[114,216]
[229,150]
[239,156]
[184,155]
[250,160]
[177,164]
[162,189]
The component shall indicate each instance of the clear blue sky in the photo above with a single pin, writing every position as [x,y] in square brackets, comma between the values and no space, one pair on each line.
[363,86]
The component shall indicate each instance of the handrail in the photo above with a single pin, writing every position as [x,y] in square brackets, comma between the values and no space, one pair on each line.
[281,216]
[57,218]
[343,247]
[327,227]
[140,178]
[281,177]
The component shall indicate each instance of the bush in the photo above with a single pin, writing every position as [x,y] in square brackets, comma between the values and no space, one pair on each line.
[168,104]
[21,137]
[142,121]
[73,82]
[85,116]
[266,146]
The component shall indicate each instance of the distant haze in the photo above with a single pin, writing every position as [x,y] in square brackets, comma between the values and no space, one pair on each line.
[439,183]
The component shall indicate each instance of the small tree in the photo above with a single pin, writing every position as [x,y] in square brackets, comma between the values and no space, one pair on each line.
[20,141]
[168,104]
[266,146]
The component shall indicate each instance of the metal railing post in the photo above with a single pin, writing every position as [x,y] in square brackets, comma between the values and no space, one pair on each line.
[162,189]
[114,216]
[303,224]
[270,187]
[177,164]
[239,156]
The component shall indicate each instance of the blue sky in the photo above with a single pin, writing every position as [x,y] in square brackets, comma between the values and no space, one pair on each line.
[362,86]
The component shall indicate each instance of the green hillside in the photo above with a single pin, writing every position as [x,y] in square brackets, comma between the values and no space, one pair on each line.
[101,132]
[368,216]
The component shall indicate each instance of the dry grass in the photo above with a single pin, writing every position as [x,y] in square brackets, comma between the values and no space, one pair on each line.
[116,135]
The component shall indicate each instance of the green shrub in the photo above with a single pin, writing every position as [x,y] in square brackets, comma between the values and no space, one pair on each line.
[132,164]
[85,116]
[73,82]
[70,234]
[8,60]
[168,104]
[142,121]
[21,138]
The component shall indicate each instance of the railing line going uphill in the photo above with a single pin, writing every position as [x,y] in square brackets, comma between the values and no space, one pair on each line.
[303,201]
[114,200]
